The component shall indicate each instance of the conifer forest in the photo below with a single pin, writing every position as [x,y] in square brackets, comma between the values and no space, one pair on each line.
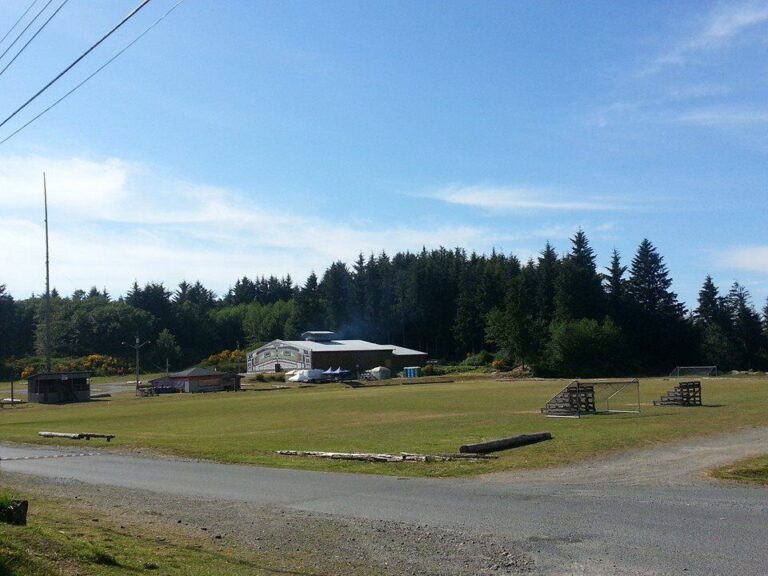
[555,315]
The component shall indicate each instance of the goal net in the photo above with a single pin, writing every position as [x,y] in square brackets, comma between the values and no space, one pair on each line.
[581,398]
[694,371]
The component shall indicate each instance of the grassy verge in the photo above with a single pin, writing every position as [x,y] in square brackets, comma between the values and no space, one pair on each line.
[752,470]
[248,427]
[64,540]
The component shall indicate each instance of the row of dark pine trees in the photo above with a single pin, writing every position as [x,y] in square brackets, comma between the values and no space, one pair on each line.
[556,314]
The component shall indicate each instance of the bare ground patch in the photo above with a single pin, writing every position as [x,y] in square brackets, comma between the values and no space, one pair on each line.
[684,462]
[296,542]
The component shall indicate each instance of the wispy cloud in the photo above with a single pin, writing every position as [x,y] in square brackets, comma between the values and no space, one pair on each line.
[81,184]
[113,222]
[719,29]
[699,80]
[662,112]
[747,258]
[722,116]
[685,92]
[509,199]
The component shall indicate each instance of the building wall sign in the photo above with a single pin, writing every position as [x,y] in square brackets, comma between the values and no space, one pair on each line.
[278,353]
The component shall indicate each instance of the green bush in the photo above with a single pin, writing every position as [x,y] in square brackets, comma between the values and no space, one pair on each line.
[482,358]
[96,364]
[432,370]
[585,348]
[226,357]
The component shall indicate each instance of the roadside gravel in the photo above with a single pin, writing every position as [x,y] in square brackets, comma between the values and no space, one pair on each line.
[683,463]
[322,542]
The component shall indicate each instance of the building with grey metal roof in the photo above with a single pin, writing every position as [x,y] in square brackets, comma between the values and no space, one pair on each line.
[319,349]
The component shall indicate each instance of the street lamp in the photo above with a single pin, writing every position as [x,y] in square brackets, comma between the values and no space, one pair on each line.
[137,347]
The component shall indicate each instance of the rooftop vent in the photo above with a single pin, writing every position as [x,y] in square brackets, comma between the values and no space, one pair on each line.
[318,335]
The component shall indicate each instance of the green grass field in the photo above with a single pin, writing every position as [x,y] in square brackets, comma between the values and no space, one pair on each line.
[248,427]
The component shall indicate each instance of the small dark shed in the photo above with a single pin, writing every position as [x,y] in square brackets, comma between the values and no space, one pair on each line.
[59,387]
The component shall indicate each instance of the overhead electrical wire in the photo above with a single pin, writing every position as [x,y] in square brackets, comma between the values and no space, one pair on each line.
[33,36]
[76,61]
[99,69]
[12,28]
[20,34]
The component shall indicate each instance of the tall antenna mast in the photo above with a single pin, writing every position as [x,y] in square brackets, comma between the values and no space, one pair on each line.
[47,285]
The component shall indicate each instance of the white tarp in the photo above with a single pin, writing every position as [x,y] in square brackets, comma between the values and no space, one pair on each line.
[311,375]
[381,373]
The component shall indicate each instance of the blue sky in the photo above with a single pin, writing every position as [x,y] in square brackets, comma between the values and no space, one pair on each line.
[247,138]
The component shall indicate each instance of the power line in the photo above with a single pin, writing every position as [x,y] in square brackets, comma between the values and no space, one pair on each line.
[25,28]
[99,69]
[33,36]
[17,21]
[79,58]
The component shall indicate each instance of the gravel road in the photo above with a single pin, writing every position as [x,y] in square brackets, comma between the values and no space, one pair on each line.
[647,512]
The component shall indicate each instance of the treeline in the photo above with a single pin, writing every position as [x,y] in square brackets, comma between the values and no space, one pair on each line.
[555,314]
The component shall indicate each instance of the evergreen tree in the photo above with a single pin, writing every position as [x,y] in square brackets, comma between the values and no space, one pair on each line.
[201,296]
[155,299]
[7,323]
[712,318]
[309,311]
[746,327]
[336,289]
[182,292]
[765,317]
[616,288]
[469,326]
[243,292]
[517,329]
[578,288]
[711,308]
[547,274]
[649,284]
[660,336]
[615,284]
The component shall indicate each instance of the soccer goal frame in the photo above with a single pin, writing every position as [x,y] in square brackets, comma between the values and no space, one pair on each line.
[586,398]
[682,371]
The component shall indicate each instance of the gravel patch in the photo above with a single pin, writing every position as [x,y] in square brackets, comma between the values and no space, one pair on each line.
[321,541]
[681,463]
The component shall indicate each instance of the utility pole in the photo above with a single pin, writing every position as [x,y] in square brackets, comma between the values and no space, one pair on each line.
[47,338]
[137,347]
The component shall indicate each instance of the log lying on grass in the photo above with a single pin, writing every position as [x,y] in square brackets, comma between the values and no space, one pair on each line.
[402,457]
[76,435]
[505,443]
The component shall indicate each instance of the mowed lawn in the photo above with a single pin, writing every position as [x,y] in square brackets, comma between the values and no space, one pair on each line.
[249,426]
